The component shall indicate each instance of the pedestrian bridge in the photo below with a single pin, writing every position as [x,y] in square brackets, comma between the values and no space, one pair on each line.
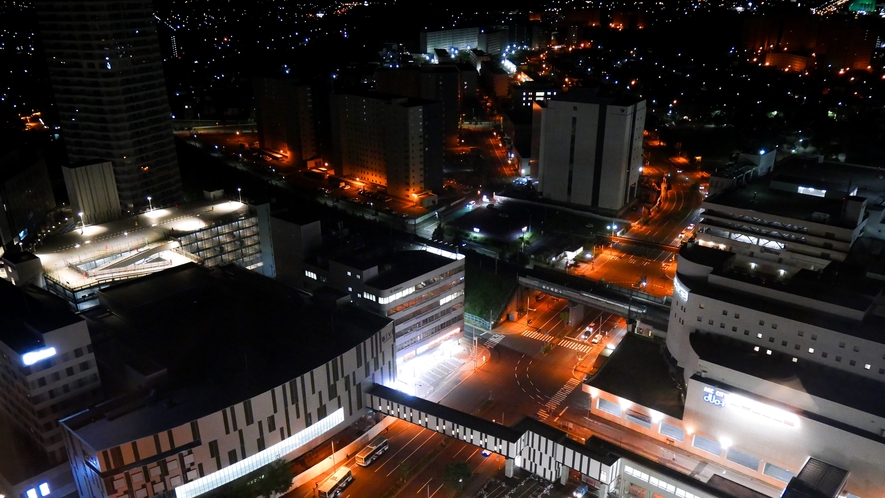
[633,303]
[544,450]
[530,444]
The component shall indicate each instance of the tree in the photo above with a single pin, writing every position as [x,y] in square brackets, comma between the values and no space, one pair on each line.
[404,470]
[276,479]
[455,474]
[439,233]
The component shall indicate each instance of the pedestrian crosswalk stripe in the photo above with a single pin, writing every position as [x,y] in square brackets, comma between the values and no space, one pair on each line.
[577,346]
[531,334]
[494,340]
[558,398]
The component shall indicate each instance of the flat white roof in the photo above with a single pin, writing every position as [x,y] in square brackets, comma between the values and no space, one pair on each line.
[135,244]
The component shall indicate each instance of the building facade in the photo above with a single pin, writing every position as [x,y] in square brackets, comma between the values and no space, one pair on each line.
[782,226]
[422,292]
[591,150]
[390,141]
[210,430]
[93,191]
[107,77]
[25,195]
[429,82]
[48,370]
[284,114]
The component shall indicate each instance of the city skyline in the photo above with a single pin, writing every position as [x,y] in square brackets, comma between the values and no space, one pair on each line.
[583,249]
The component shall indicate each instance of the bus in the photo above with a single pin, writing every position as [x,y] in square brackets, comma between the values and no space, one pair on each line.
[335,483]
[371,452]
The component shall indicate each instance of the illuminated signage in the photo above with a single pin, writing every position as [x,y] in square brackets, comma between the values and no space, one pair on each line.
[680,290]
[34,356]
[812,191]
[714,396]
[721,399]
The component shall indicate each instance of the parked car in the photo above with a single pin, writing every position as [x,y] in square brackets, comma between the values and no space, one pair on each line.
[596,339]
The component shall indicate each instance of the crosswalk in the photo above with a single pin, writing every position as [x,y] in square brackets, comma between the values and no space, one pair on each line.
[531,334]
[494,340]
[577,346]
[559,397]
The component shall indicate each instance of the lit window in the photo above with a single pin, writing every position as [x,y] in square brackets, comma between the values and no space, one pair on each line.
[349,274]
[310,274]
[811,350]
[867,366]
[795,360]
[768,352]
[32,493]
[755,348]
[44,489]
[758,336]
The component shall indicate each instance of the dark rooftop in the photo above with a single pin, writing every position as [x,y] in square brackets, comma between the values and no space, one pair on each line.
[816,379]
[27,313]
[19,257]
[637,371]
[593,96]
[758,196]
[868,179]
[404,266]
[817,478]
[837,291]
[405,101]
[706,256]
[222,335]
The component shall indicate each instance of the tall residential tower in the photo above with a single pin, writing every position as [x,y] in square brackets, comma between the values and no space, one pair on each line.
[107,76]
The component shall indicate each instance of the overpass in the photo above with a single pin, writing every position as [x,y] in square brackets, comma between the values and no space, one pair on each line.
[650,309]
[546,451]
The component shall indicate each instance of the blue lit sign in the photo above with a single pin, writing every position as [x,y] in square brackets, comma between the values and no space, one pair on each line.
[714,396]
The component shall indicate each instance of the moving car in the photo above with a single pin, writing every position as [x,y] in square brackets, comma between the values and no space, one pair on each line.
[596,339]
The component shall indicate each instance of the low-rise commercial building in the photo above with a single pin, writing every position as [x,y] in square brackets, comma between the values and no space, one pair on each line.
[421,288]
[48,371]
[284,372]
[214,232]
[763,372]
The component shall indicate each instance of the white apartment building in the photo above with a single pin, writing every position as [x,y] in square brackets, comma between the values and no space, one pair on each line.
[282,376]
[591,149]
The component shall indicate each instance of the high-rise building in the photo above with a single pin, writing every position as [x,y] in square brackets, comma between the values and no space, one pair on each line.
[440,83]
[107,76]
[284,113]
[591,149]
[389,140]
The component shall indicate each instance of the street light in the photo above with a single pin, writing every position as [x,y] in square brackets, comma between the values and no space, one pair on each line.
[613,228]
[150,204]
[82,223]
[240,194]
